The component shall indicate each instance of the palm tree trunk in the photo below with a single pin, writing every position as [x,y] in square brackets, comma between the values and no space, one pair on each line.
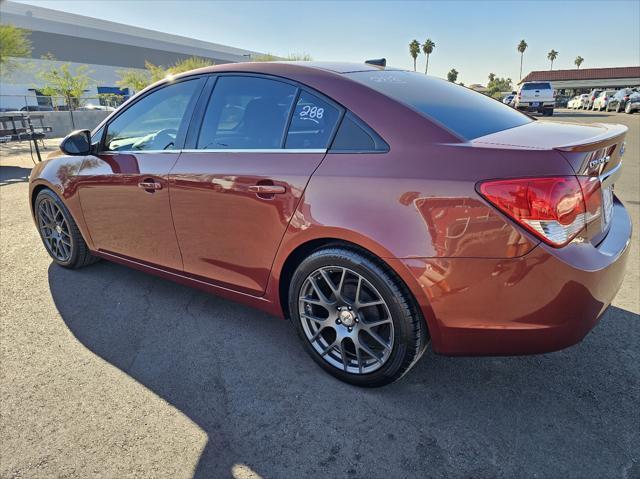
[552,64]
[521,55]
[414,64]
[426,69]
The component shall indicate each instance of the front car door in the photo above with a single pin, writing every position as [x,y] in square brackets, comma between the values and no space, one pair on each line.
[237,184]
[124,188]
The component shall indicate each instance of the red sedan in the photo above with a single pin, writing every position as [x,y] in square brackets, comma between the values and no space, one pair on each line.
[380,210]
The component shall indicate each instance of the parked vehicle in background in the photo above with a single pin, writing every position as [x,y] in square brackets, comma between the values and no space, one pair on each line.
[619,100]
[583,101]
[602,100]
[562,101]
[508,100]
[535,97]
[592,98]
[633,104]
[380,210]
[36,108]
[574,102]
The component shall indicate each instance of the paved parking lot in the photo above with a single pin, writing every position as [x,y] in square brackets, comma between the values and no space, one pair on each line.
[108,372]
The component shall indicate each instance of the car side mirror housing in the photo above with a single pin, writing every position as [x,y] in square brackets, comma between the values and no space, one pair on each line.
[77,143]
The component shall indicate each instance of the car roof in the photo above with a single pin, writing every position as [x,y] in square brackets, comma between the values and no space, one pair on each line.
[283,66]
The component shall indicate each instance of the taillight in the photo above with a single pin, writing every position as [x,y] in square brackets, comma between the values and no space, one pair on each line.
[554,209]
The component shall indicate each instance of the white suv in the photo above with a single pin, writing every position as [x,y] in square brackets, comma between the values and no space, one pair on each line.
[536,96]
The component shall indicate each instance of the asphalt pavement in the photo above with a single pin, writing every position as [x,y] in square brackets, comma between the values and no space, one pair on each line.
[109,372]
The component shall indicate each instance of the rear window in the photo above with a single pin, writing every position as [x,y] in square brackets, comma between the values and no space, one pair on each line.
[537,86]
[466,113]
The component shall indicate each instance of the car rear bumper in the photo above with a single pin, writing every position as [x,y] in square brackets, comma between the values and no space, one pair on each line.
[528,106]
[544,301]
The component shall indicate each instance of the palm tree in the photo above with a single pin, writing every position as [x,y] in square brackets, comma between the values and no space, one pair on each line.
[552,55]
[452,76]
[522,46]
[427,49]
[414,51]
[578,61]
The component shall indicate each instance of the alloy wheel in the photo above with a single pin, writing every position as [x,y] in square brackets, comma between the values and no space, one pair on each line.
[54,230]
[346,319]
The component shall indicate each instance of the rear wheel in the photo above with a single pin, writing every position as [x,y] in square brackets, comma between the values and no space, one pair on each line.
[627,108]
[59,232]
[356,318]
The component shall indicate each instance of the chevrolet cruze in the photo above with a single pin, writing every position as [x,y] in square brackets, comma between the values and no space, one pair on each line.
[380,210]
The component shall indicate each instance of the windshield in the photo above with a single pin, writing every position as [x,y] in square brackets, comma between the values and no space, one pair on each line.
[463,111]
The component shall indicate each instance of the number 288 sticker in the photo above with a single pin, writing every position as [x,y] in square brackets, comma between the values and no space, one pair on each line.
[311,113]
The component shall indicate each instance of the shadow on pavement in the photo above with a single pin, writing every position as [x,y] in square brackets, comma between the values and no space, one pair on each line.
[13,174]
[568,114]
[245,380]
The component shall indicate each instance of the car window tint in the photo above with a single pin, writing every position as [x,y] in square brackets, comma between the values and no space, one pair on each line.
[465,112]
[312,123]
[352,136]
[152,123]
[536,86]
[246,113]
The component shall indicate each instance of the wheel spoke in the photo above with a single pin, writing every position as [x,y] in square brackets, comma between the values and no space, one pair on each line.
[368,350]
[378,339]
[319,292]
[343,355]
[314,318]
[332,287]
[359,359]
[328,348]
[376,323]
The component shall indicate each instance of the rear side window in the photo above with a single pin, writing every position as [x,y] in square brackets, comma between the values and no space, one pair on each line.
[246,113]
[466,113]
[536,86]
[354,136]
[312,123]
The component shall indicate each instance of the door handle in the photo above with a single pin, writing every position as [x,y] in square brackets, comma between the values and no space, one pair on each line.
[150,186]
[267,189]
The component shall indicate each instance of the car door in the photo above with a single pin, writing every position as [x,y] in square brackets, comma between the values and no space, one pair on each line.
[238,183]
[123,189]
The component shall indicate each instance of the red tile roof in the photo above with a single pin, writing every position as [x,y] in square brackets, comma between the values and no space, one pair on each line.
[583,74]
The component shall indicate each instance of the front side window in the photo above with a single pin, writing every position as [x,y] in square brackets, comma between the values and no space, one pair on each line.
[312,123]
[152,123]
[246,113]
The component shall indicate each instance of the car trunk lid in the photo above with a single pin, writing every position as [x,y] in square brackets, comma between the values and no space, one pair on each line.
[593,150]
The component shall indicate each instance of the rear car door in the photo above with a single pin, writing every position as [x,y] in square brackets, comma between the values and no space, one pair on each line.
[244,169]
[124,188]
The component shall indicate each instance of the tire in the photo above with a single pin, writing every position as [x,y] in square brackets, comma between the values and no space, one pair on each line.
[618,108]
[59,232]
[627,109]
[334,326]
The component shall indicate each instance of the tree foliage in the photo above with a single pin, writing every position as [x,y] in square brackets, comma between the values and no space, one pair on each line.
[552,55]
[497,85]
[63,81]
[578,61]
[522,46]
[427,49]
[414,51]
[452,76]
[138,80]
[14,43]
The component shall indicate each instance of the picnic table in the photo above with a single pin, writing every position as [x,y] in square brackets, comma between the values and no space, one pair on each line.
[21,127]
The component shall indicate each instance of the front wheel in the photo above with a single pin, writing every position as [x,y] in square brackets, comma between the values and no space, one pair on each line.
[627,108]
[60,233]
[355,317]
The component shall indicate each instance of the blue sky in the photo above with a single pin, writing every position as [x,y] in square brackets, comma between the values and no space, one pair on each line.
[474,37]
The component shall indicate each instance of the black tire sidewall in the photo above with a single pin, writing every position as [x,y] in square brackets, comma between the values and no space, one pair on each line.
[402,322]
[50,195]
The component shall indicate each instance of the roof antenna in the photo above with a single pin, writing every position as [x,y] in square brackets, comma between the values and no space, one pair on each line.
[379,62]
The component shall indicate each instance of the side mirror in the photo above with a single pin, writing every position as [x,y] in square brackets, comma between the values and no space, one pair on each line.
[77,143]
